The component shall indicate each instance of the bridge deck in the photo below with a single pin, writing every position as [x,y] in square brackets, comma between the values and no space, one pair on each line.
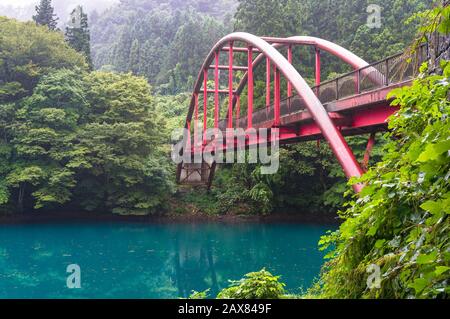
[362,113]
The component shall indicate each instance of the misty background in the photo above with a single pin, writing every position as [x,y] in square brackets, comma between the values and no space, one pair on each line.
[24,9]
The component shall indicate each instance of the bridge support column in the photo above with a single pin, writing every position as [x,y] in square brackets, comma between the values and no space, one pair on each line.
[230,87]
[205,103]
[289,85]
[268,78]
[318,70]
[277,98]
[250,87]
[216,90]
[196,122]
[188,140]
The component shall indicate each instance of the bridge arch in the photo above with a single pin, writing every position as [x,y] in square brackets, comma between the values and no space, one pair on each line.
[330,132]
[336,50]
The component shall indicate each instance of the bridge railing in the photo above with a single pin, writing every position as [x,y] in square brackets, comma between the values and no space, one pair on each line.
[392,70]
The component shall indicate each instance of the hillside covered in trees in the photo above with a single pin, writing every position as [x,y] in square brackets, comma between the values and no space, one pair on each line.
[71,138]
[166,44]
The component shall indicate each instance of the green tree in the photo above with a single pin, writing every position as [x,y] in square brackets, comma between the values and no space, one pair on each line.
[400,221]
[255,285]
[261,17]
[27,53]
[45,14]
[135,57]
[42,139]
[75,139]
[91,141]
[128,171]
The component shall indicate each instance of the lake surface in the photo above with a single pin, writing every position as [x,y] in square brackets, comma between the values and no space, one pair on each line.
[123,260]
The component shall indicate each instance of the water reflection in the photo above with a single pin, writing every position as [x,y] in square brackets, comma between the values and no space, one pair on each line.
[151,261]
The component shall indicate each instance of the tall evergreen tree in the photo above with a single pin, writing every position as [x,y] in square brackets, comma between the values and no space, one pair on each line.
[45,14]
[134,59]
[78,34]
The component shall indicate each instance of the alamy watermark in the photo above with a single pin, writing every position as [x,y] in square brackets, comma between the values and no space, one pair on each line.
[374,278]
[374,17]
[74,279]
[229,146]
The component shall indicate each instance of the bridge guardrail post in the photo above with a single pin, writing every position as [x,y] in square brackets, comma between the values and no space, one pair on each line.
[337,89]
[386,78]
[358,81]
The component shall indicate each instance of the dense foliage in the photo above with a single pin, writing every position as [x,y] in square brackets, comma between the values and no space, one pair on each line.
[27,52]
[341,21]
[87,141]
[400,221]
[255,285]
[165,42]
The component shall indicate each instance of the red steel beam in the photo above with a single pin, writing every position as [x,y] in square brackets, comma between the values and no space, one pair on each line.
[308,130]
[239,49]
[289,85]
[250,88]
[205,103]
[226,67]
[318,70]
[268,79]
[324,45]
[223,91]
[196,120]
[216,90]
[230,86]
[345,55]
[277,40]
[188,142]
[277,96]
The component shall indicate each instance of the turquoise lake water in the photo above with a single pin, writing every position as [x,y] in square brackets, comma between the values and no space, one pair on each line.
[123,260]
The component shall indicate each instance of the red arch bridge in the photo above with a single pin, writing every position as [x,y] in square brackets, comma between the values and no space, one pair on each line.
[353,104]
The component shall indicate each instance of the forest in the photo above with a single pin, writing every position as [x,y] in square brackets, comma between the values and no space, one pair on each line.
[164,44]
[86,114]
